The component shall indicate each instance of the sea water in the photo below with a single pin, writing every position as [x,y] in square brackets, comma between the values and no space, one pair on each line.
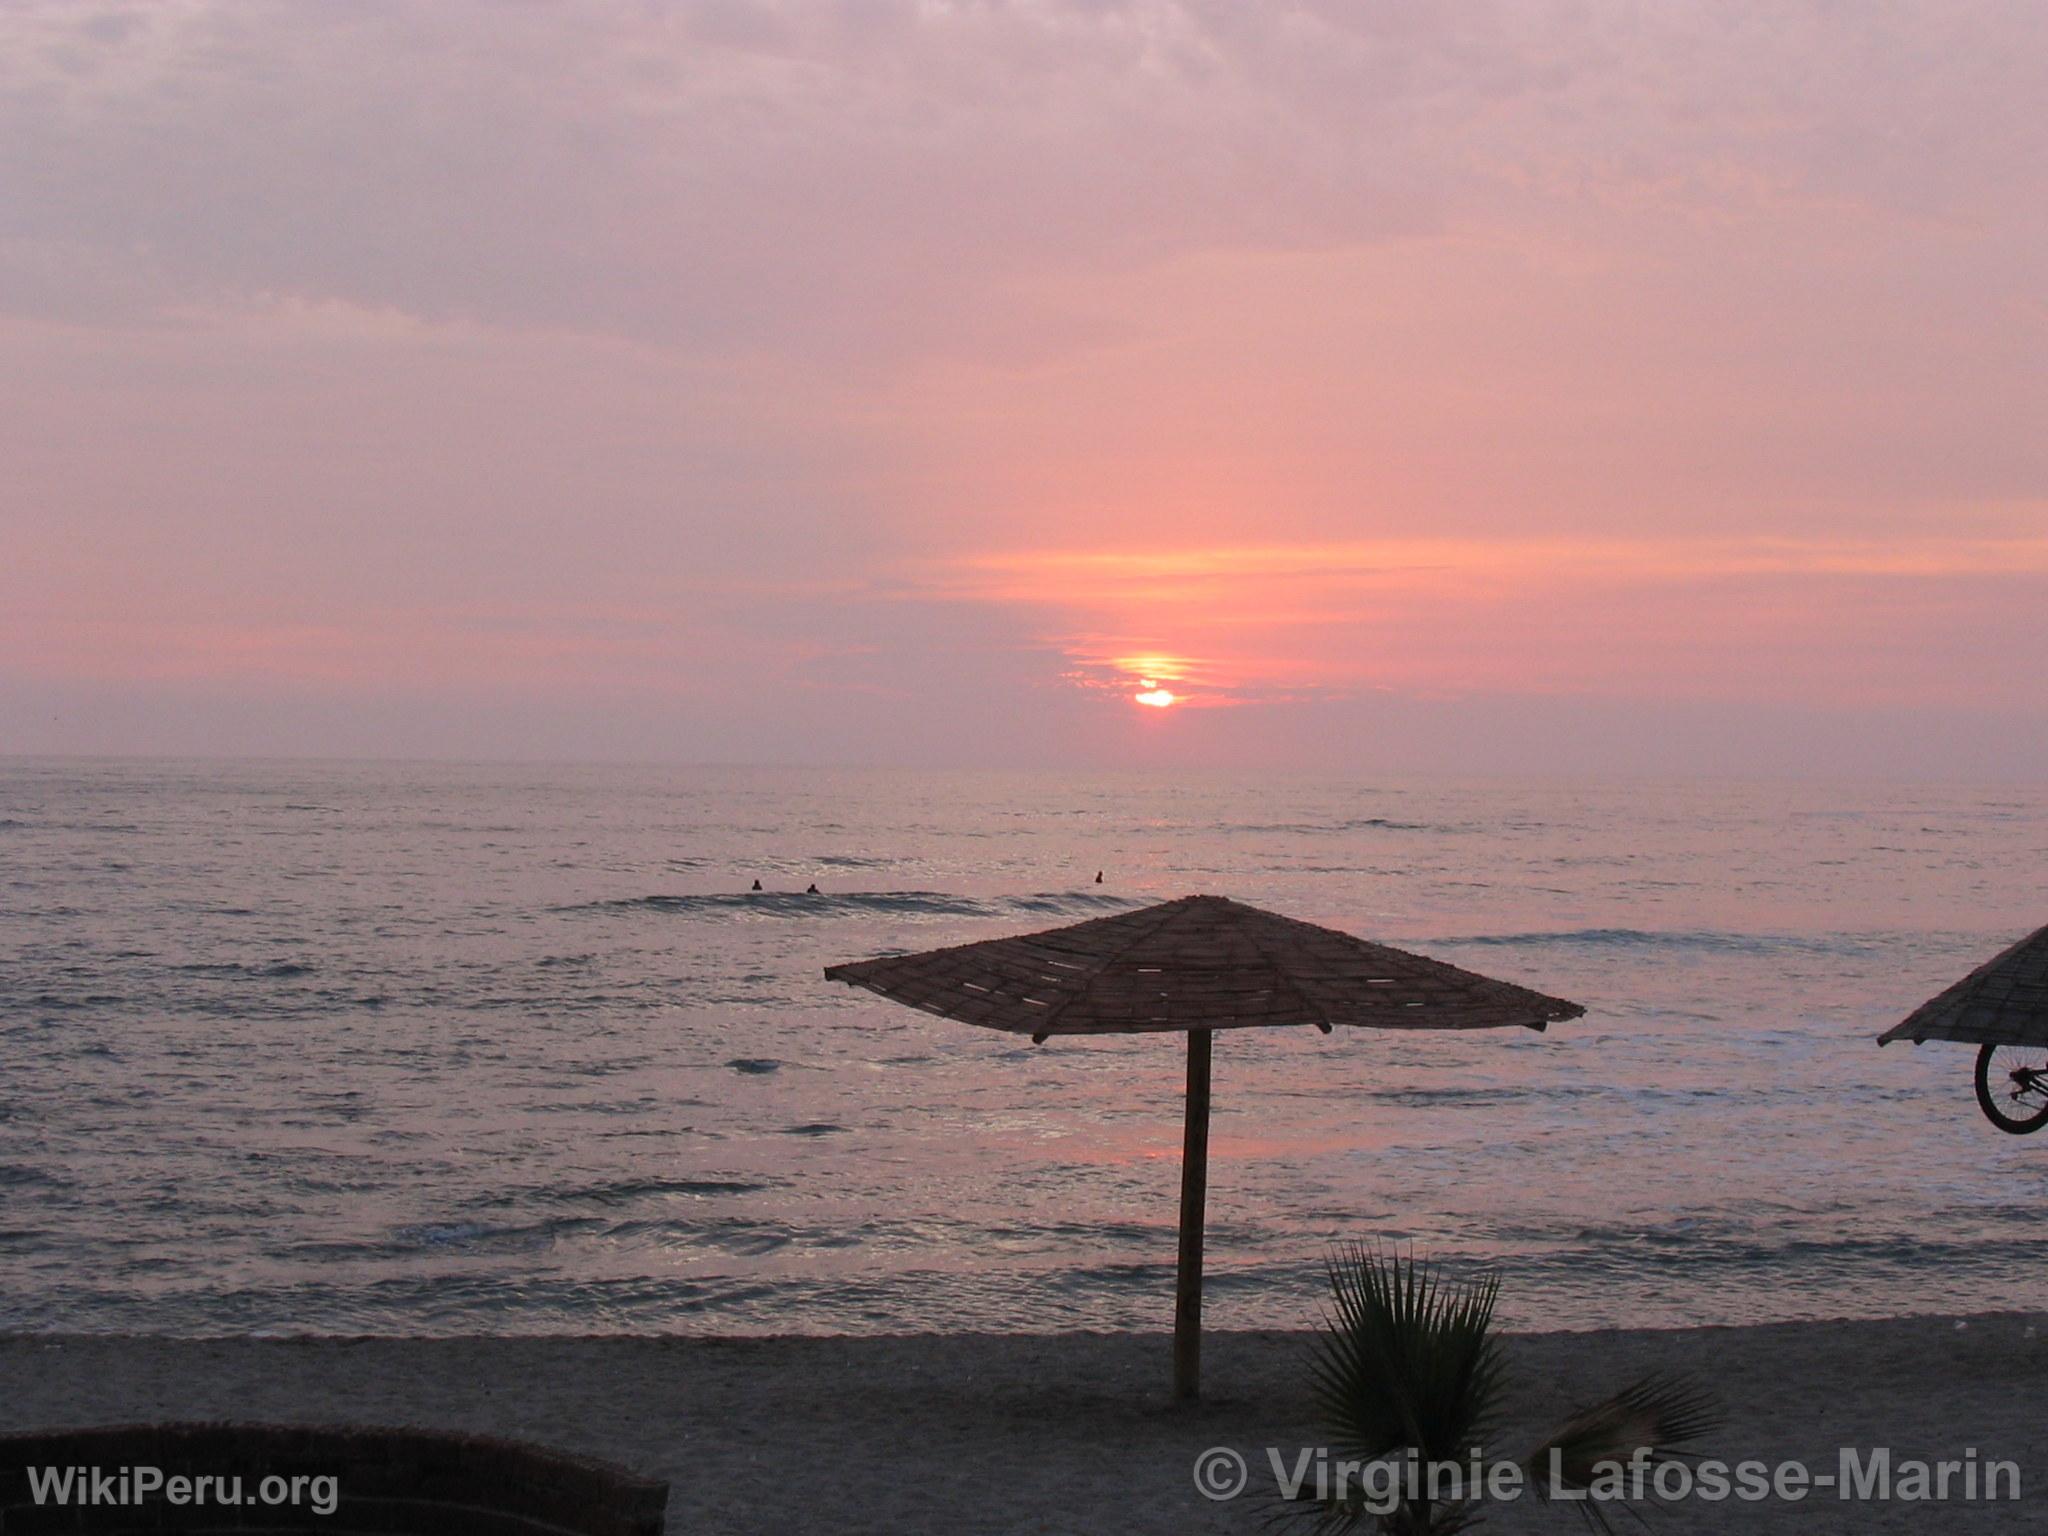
[411,1048]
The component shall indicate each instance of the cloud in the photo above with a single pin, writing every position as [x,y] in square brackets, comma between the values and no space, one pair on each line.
[669,370]
[721,176]
[886,179]
[1194,574]
[1928,621]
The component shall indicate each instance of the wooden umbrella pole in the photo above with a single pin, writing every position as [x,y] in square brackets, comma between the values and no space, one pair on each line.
[1194,1192]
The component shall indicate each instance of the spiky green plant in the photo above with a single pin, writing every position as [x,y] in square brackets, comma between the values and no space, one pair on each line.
[1660,1415]
[1408,1363]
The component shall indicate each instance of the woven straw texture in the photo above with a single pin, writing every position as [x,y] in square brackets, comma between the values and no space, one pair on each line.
[2002,1002]
[1202,962]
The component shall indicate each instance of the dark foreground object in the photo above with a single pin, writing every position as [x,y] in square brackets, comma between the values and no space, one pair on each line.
[1075,1434]
[340,1479]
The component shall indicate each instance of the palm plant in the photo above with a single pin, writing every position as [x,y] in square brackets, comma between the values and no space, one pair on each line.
[1409,1367]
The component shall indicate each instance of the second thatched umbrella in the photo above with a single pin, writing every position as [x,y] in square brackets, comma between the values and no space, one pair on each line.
[1199,964]
[2001,1008]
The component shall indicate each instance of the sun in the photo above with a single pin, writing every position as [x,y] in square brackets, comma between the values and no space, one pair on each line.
[1153,678]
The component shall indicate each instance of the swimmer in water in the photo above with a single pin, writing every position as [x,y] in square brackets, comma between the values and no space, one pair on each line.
[811,889]
[1098,877]
[757,885]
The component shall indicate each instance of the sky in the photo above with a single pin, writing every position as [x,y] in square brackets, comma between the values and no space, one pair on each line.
[1488,388]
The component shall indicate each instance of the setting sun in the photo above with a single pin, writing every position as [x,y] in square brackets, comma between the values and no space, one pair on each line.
[1157,698]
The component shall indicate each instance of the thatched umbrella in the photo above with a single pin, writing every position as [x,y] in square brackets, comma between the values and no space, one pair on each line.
[2002,1002]
[1199,964]
[2002,1008]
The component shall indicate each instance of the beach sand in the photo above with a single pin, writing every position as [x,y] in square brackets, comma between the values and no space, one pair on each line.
[1069,1433]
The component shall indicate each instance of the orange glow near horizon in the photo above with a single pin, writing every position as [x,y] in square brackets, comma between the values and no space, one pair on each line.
[1153,671]
[1447,617]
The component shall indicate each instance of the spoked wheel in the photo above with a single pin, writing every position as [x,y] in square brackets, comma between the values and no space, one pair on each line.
[2012,1087]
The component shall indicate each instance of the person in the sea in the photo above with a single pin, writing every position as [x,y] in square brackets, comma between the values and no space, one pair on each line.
[811,889]
[1098,877]
[757,885]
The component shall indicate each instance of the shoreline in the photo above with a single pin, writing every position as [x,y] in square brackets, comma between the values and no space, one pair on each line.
[1067,1432]
[11,1337]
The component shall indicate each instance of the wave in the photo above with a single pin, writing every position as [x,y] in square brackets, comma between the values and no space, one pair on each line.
[279,969]
[793,904]
[1798,1258]
[454,1236]
[1068,901]
[855,903]
[622,1192]
[1563,1277]
[1342,824]
[1709,940]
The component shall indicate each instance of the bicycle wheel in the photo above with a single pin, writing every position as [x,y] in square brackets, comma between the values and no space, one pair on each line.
[2012,1087]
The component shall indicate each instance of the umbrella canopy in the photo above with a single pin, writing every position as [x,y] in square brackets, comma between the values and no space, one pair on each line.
[1202,962]
[2002,1002]
[1199,964]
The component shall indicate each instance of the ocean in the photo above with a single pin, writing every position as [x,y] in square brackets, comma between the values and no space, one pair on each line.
[344,1048]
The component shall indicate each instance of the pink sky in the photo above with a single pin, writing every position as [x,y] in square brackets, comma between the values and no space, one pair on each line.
[1491,387]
